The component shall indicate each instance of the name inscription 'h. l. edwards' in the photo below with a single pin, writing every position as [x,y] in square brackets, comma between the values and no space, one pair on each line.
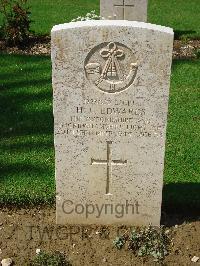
[111,67]
[118,118]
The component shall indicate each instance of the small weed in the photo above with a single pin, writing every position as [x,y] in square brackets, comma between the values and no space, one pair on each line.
[119,242]
[184,39]
[197,53]
[148,241]
[46,259]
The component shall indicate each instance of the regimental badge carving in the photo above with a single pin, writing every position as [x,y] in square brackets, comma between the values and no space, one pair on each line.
[111,67]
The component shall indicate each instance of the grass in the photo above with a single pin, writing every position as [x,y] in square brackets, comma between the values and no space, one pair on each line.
[182,171]
[183,16]
[27,158]
[61,12]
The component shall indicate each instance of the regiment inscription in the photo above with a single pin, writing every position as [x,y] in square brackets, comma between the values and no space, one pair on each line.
[111,67]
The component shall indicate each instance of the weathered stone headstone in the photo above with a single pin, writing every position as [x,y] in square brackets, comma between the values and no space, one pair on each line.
[124,9]
[111,86]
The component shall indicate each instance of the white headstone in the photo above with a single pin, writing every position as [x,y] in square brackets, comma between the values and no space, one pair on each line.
[111,86]
[124,9]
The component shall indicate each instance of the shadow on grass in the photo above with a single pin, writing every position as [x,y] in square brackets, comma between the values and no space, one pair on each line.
[183,61]
[26,132]
[178,206]
[25,96]
[23,168]
[177,198]
[179,34]
[28,145]
[25,83]
[178,62]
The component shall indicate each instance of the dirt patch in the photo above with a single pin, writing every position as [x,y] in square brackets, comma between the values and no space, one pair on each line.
[186,49]
[22,231]
[189,49]
[40,45]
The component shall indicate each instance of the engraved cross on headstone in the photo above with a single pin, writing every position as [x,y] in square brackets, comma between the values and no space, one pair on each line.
[124,7]
[109,162]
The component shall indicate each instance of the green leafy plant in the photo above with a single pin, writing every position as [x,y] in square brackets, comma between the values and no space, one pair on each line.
[184,38]
[148,241]
[46,259]
[119,242]
[16,21]
[197,53]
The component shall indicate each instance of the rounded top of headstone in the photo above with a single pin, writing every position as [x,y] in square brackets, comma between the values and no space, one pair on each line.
[112,23]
